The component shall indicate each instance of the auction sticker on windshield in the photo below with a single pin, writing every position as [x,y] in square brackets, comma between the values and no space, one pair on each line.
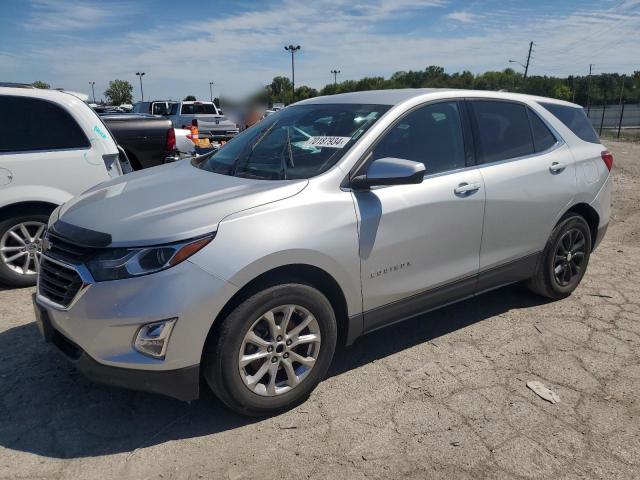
[328,142]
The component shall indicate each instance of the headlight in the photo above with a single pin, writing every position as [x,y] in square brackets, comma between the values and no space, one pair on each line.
[119,263]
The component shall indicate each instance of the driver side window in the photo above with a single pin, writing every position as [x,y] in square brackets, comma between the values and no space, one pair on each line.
[431,134]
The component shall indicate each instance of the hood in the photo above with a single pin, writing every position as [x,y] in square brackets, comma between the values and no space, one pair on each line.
[169,203]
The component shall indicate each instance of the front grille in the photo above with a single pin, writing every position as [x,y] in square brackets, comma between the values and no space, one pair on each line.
[65,250]
[58,283]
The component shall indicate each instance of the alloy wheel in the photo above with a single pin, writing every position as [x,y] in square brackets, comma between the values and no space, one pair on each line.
[569,257]
[21,246]
[279,350]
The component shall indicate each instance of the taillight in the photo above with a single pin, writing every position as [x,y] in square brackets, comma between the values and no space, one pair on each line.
[607,158]
[171,140]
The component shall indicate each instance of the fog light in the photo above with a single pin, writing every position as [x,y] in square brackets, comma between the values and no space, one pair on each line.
[153,338]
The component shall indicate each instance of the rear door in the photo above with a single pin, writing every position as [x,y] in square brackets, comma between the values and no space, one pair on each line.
[419,244]
[44,149]
[529,178]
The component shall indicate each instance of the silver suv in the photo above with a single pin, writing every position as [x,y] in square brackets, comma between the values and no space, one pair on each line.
[331,218]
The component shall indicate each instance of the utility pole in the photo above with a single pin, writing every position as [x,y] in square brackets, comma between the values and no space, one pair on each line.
[293,50]
[621,89]
[526,68]
[335,76]
[589,90]
[140,75]
[93,92]
[211,90]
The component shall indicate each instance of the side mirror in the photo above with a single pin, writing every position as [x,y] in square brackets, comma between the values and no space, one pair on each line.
[390,171]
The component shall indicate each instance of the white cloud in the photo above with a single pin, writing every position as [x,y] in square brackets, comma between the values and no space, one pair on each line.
[462,16]
[73,15]
[243,51]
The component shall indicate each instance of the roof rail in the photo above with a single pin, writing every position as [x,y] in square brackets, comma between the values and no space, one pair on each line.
[16,85]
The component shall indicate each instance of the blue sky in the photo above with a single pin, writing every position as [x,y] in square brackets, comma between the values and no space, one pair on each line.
[238,45]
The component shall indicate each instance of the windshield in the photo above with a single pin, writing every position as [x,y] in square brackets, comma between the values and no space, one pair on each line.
[198,108]
[297,142]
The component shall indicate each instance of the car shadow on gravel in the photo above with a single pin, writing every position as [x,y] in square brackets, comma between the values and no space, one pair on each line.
[50,409]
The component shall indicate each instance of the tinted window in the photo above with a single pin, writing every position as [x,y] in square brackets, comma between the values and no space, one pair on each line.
[575,119]
[543,139]
[431,135]
[503,130]
[33,124]
[174,109]
[198,108]
[298,142]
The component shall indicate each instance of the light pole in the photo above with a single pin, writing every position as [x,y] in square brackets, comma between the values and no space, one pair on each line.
[519,63]
[93,92]
[335,76]
[293,50]
[140,75]
[211,90]
[522,65]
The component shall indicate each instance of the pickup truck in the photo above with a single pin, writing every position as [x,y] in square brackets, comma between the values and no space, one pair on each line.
[148,140]
[210,121]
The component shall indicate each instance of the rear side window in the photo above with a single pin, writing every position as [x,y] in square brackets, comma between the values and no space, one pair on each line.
[32,124]
[503,130]
[575,119]
[543,139]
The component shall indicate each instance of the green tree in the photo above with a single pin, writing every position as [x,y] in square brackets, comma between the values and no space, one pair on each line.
[189,98]
[119,92]
[41,84]
[562,91]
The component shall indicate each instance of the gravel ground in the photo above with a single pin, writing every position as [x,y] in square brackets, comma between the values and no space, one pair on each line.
[440,396]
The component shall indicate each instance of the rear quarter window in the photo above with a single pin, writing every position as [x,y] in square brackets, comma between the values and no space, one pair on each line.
[575,120]
[29,124]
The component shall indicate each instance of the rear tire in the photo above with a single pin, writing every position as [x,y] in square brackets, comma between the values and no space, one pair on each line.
[20,242]
[564,260]
[264,326]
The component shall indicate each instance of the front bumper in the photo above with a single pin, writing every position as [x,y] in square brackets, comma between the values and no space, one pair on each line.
[182,384]
[97,332]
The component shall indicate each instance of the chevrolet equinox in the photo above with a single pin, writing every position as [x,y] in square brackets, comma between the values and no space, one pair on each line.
[329,219]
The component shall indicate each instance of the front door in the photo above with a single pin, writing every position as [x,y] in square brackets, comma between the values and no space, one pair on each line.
[419,244]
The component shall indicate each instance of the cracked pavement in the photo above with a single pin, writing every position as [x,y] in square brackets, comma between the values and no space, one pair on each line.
[441,396]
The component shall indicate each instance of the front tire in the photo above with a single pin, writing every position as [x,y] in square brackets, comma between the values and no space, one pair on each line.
[564,260]
[20,248]
[272,350]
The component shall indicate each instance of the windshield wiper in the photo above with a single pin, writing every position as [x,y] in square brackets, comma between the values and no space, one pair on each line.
[247,151]
[283,162]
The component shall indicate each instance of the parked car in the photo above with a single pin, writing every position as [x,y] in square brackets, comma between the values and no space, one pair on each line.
[147,139]
[338,216]
[156,107]
[53,146]
[211,124]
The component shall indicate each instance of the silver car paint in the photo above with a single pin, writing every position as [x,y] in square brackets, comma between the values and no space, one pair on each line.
[262,225]
[169,203]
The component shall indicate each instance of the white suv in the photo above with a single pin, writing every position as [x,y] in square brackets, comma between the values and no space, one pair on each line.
[53,147]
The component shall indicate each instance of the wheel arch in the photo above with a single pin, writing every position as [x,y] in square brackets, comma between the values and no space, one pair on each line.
[292,273]
[7,211]
[591,216]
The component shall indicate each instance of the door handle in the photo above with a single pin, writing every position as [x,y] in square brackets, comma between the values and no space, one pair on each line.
[557,167]
[466,188]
